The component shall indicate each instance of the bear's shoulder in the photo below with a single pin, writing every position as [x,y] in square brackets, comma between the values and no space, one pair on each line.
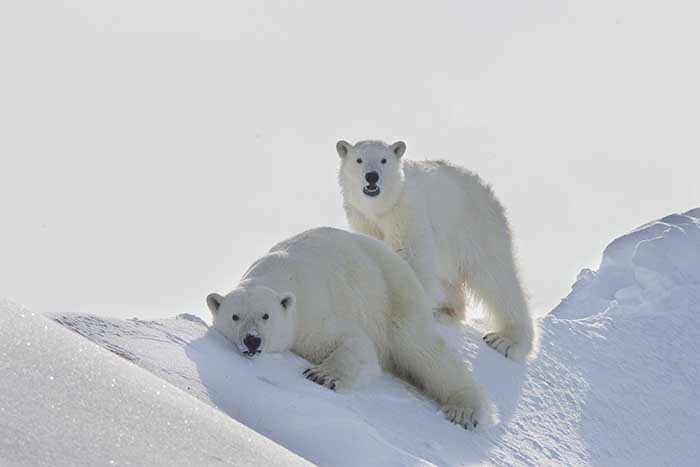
[440,170]
[434,166]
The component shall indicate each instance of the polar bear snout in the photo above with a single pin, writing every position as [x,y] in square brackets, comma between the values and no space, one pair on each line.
[252,343]
[371,189]
[372,178]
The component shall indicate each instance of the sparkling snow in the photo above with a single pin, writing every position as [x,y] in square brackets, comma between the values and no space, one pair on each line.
[65,401]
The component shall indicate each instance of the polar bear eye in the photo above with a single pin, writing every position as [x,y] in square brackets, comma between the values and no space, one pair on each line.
[266,316]
[359,161]
[383,161]
[234,317]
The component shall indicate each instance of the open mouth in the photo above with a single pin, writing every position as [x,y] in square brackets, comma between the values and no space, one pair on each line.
[371,190]
[247,352]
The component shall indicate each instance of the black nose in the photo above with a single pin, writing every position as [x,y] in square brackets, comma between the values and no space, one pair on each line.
[252,342]
[372,177]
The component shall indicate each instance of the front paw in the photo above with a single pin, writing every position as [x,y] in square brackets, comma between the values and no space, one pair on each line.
[319,376]
[464,417]
[502,344]
[469,409]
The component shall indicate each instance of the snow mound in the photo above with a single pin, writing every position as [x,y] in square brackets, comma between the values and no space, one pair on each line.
[641,267]
[613,382]
[65,401]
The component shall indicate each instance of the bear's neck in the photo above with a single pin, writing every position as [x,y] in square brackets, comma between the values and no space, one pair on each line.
[383,208]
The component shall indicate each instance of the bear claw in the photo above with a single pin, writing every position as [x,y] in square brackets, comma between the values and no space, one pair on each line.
[463,417]
[499,343]
[316,375]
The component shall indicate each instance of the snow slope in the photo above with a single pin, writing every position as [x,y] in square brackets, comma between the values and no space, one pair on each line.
[65,401]
[613,382]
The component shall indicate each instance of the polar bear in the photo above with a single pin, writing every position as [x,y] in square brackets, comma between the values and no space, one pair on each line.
[446,222]
[350,306]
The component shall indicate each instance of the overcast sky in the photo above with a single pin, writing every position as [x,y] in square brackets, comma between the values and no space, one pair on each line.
[150,151]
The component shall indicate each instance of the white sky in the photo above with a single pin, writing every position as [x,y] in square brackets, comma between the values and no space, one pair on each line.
[150,151]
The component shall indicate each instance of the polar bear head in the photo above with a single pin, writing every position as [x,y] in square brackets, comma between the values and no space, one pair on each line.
[255,319]
[371,174]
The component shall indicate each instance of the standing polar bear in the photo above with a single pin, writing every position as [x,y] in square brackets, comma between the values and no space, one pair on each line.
[351,306]
[449,227]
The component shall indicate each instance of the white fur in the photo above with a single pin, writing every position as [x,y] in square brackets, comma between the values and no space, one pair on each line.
[446,222]
[352,307]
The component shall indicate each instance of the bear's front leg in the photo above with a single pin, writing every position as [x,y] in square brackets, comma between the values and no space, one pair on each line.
[352,363]
[410,234]
[420,252]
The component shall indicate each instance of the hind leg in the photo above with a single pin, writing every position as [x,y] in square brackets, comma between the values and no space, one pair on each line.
[494,280]
[420,353]
[417,351]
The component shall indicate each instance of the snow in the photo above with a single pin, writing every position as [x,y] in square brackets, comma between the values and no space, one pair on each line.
[65,401]
[612,384]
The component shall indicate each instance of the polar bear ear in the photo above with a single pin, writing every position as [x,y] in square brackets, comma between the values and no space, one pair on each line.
[288,301]
[343,147]
[398,148]
[214,302]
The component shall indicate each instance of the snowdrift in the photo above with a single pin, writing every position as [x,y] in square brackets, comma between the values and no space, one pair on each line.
[613,382]
[65,401]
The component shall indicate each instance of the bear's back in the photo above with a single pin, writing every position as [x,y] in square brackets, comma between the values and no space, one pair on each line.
[452,193]
[330,267]
[338,277]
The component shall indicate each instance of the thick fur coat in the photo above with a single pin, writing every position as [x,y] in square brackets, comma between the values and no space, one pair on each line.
[448,225]
[350,306]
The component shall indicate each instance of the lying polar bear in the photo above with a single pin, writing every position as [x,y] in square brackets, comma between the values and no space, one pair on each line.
[449,227]
[349,305]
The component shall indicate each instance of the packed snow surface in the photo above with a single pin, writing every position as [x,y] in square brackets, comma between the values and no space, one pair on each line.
[65,401]
[614,381]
